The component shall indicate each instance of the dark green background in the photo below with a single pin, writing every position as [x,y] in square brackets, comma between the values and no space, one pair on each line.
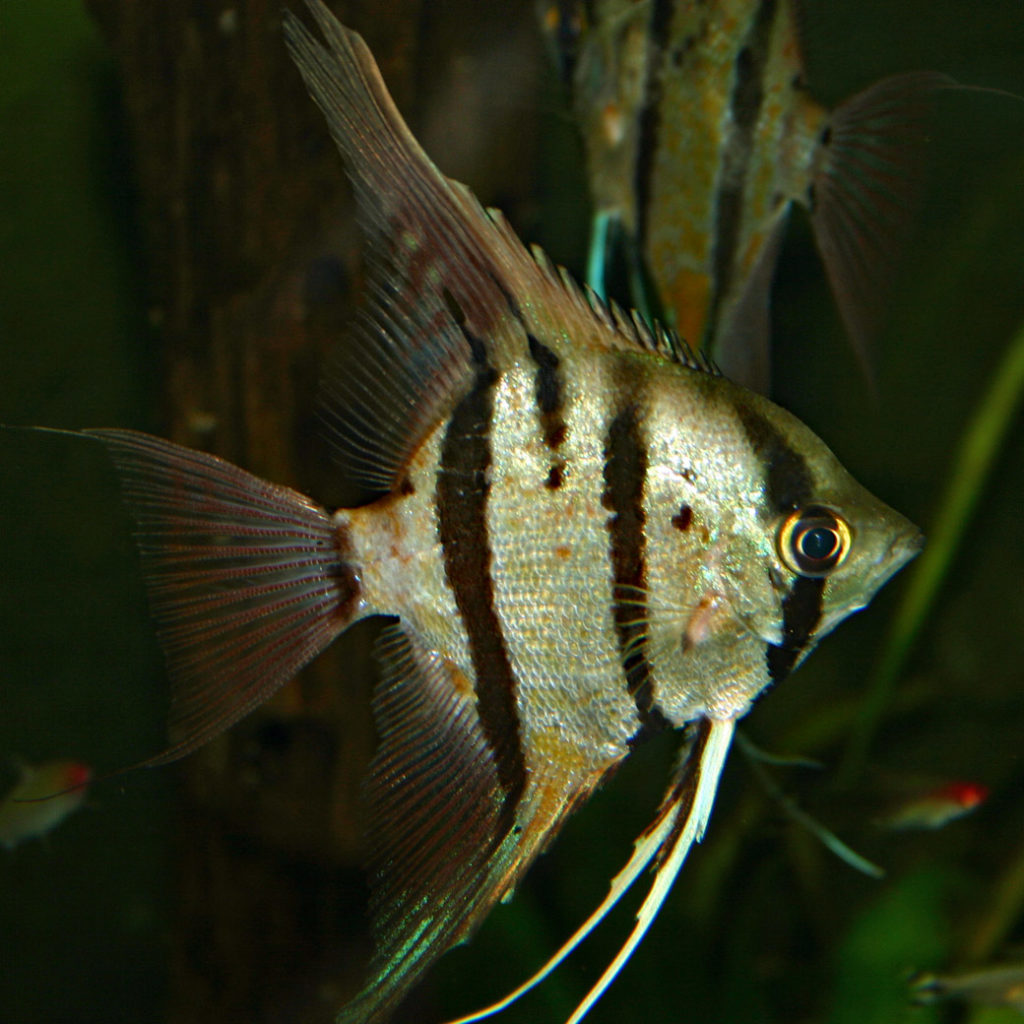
[763,924]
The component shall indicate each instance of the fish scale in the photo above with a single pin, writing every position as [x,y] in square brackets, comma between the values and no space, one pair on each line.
[551,577]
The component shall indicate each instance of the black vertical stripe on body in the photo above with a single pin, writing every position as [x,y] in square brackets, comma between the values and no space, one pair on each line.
[463,487]
[787,478]
[625,474]
[649,120]
[788,485]
[549,392]
[745,104]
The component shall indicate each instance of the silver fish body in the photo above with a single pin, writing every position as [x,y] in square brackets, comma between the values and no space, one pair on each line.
[679,561]
[585,536]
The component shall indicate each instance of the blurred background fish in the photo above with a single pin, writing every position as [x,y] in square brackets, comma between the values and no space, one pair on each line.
[936,807]
[700,133]
[995,986]
[41,798]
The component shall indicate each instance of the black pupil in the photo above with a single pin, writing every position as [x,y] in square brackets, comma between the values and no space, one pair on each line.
[819,543]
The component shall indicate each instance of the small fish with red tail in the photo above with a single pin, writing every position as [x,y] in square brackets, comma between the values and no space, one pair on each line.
[41,798]
[937,807]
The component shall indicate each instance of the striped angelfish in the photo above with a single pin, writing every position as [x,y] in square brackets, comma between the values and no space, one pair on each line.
[584,536]
[700,134]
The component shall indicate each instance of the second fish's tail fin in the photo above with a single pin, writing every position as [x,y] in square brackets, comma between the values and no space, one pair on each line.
[247,580]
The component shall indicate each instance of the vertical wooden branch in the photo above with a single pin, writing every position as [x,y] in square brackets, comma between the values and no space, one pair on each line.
[253,258]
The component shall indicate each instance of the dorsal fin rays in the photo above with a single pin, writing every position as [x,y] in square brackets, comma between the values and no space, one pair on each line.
[435,302]
[569,309]
[681,821]
[445,275]
[406,205]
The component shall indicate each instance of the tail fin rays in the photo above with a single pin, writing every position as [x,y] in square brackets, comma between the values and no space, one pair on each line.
[248,581]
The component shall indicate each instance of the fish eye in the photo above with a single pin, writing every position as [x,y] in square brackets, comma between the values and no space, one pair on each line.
[813,541]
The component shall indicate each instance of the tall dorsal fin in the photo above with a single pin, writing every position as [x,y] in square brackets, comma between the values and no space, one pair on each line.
[450,287]
[434,305]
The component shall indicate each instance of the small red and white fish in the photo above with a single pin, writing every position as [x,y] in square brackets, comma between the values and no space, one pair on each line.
[584,535]
[997,985]
[937,807]
[41,798]
[700,134]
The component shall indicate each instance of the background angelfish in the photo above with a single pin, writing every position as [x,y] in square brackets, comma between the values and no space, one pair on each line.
[700,134]
[584,535]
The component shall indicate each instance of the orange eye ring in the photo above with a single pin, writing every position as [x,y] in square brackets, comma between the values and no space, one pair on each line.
[814,541]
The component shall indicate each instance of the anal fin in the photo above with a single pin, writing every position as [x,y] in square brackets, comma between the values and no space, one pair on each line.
[435,821]
[680,822]
[742,343]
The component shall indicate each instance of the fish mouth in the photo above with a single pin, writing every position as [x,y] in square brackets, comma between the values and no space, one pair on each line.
[903,548]
[912,546]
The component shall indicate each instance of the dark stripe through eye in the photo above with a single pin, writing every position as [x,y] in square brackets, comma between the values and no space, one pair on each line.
[787,486]
[787,478]
[801,612]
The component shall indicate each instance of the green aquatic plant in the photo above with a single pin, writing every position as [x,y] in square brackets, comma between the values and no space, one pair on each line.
[980,444]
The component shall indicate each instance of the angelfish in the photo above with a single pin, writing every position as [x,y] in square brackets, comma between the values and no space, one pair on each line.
[700,134]
[585,535]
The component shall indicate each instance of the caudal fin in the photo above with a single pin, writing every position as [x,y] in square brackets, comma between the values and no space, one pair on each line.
[247,581]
